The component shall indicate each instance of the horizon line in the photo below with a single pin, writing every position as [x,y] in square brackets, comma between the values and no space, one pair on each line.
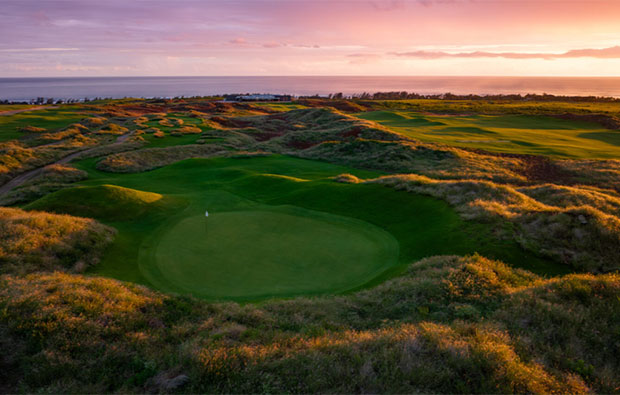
[317,76]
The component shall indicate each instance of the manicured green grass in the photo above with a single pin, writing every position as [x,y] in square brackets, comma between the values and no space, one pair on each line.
[50,119]
[497,106]
[524,134]
[168,140]
[281,106]
[13,107]
[268,251]
[101,201]
[422,226]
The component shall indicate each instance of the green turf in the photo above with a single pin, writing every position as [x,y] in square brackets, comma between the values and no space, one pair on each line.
[108,202]
[522,134]
[276,251]
[168,140]
[50,119]
[13,107]
[421,226]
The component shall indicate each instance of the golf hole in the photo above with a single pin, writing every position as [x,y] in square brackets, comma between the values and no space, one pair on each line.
[284,251]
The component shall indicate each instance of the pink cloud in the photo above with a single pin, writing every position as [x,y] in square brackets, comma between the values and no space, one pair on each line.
[604,53]
[363,58]
[238,41]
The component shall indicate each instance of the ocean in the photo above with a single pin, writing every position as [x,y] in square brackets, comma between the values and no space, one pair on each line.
[17,89]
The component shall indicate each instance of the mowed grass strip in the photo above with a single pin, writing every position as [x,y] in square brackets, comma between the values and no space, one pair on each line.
[518,134]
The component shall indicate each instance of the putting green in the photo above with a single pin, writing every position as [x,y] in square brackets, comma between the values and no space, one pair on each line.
[277,251]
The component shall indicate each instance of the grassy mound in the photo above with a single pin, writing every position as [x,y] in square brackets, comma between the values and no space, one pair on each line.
[151,158]
[110,202]
[35,241]
[51,179]
[449,324]
[576,226]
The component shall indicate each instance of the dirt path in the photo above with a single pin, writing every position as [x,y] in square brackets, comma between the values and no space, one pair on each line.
[22,178]
[13,112]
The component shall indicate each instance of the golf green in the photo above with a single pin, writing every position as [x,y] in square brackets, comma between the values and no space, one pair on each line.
[275,251]
[277,227]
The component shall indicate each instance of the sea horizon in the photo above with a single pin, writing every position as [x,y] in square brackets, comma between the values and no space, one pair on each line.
[30,88]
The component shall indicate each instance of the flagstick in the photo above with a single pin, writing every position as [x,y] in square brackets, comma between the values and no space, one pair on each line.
[206,221]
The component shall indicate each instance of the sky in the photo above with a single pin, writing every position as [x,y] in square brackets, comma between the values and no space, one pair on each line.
[322,37]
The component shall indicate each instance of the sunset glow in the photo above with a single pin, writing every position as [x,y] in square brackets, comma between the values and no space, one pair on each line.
[502,37]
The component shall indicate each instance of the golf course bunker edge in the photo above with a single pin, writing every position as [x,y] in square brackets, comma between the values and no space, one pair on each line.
[278,251]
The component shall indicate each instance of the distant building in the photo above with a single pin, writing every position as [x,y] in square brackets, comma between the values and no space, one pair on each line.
[256,97]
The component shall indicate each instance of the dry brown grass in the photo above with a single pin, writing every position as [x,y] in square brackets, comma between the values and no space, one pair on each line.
[579,227]
[15,158]
[132,143]
[166,122]
[448,325]
[151,158]
[38,241]
[586,342]
[599,173]
[185,130]
[95,121]
[32,129]
[52,178]
[113,129]
[347,179]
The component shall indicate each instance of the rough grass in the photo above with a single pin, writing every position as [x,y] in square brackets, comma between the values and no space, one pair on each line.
[414,157]
[38,241]
[448,325]
[15,158]
[52,178]
[185,130]
[329,135]
[574,226]
[301,129]
[113,129]
[151,158]
[31,129]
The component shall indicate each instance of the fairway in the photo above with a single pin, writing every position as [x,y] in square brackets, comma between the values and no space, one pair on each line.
[258,253]
[516,134]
